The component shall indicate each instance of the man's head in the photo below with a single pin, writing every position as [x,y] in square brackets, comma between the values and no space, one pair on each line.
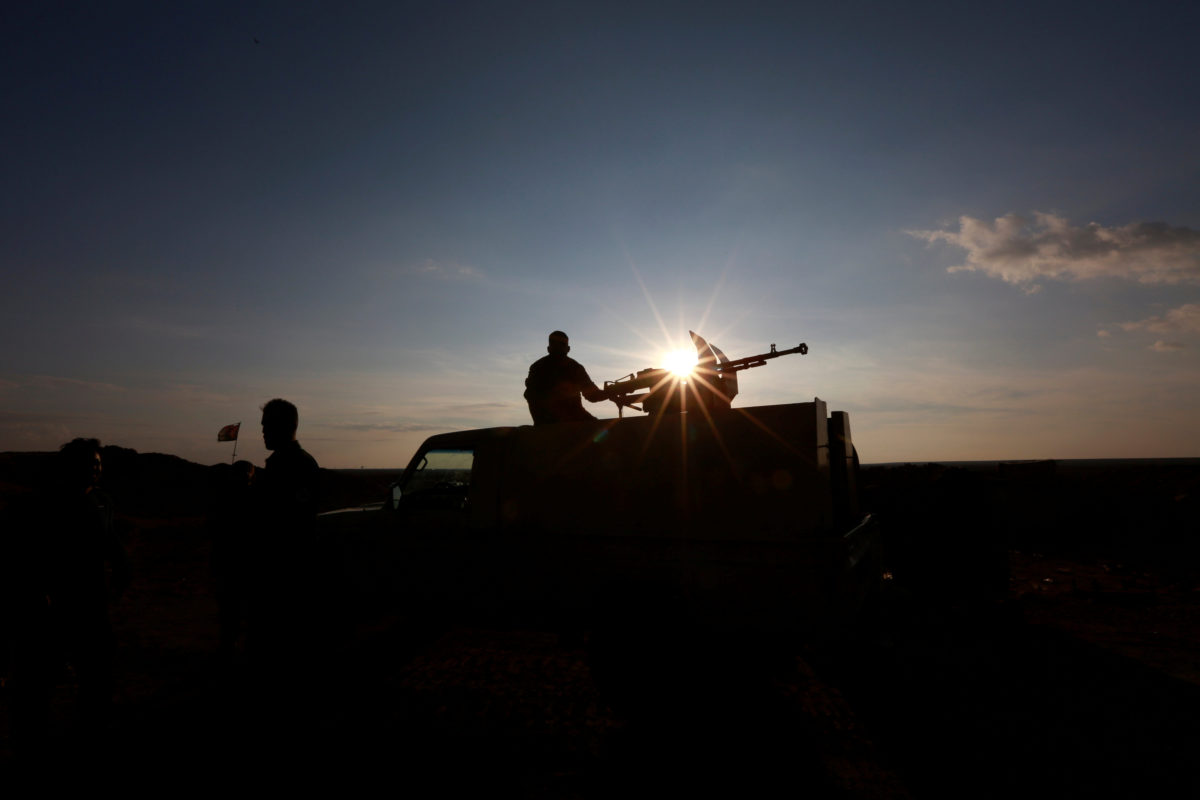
[79,463]
[559,344]
[279,422]
[243,473]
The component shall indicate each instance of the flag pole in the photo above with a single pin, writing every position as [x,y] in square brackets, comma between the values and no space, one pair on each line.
[233,458]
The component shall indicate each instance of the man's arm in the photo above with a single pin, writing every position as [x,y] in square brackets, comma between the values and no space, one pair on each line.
[593,393]
[588,387]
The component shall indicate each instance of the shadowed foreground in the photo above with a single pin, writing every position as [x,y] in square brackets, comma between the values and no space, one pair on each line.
[1080,679]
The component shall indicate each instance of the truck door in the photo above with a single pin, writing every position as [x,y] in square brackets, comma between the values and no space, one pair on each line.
[441,550]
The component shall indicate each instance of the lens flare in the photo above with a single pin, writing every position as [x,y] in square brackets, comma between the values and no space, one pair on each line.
[680,362]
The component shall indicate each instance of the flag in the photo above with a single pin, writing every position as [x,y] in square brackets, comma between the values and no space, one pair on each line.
[228,433]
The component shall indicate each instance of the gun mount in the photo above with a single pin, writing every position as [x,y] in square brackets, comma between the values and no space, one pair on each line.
[711,386]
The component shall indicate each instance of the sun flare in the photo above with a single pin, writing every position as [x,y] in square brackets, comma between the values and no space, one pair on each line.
[680,362]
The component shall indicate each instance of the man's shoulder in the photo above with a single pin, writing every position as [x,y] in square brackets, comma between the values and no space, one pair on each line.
[579,371]
[561,363]
[306,457]
[291,457]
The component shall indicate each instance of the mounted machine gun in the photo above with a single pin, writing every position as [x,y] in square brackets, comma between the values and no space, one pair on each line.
[711,385]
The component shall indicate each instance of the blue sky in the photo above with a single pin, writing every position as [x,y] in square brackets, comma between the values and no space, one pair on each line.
[985,222]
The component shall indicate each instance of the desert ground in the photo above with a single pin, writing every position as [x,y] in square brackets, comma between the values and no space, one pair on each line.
[1037,635]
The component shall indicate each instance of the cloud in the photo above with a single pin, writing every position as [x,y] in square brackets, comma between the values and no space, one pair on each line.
[923,408]
[1182,321]
[479,406]
[154,327]
[1022,251]
[179,395]
[1185,319]
[445,270]
[72,384]
[38,430]
[381,427]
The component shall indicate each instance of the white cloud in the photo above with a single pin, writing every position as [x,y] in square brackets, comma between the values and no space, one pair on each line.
[1022,251]
[179,395]
[37,430]
[156,327]
[445,270]
[70,384]
[1178,322]
[1185,319]
[481,407]
[381,427]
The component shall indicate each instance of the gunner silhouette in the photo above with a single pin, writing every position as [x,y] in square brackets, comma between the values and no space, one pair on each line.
[555,383]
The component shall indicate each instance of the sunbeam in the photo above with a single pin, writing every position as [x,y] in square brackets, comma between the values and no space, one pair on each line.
[680,362]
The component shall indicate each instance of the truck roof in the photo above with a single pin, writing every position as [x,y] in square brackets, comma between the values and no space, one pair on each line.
[765,468]
[468,437]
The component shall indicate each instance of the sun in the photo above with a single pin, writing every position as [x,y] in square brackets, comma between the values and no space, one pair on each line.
[680,362]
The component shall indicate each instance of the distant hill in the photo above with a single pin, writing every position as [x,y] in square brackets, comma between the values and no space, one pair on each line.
[156,485]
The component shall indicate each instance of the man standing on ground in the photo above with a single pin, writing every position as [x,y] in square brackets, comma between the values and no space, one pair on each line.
[555,383]
[284,562]
[61,547]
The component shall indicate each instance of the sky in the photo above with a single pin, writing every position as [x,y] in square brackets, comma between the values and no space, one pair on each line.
[982,219]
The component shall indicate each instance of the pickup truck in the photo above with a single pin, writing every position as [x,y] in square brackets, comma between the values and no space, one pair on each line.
[742,518]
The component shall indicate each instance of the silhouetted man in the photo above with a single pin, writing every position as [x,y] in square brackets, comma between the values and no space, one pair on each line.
[61,588]
[286,493]
[555,384]
[291,476]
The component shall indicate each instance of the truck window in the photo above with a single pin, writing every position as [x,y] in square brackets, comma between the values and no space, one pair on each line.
[442,478]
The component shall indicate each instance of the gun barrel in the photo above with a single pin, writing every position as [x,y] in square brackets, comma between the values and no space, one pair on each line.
[758,360]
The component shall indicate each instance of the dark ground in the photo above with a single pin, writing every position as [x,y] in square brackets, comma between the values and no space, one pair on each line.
[1037,636]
